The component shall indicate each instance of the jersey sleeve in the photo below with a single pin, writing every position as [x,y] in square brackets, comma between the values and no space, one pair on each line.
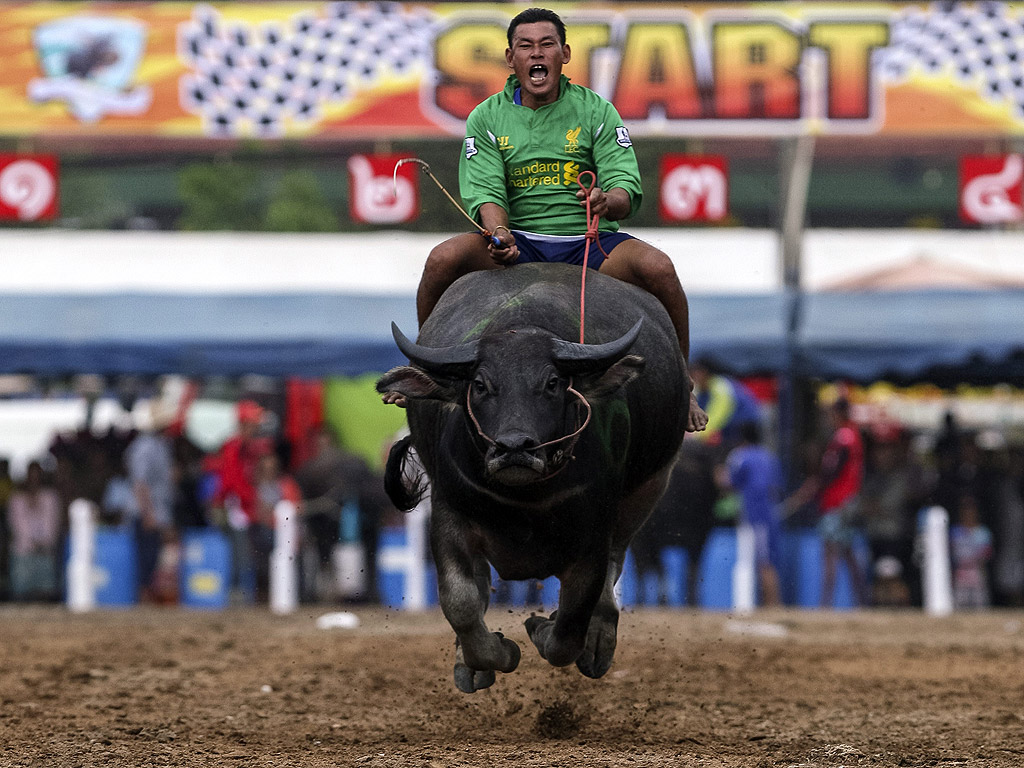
[481,169]
[614,157]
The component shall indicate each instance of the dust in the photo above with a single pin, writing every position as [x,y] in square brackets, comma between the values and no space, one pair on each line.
[559,720]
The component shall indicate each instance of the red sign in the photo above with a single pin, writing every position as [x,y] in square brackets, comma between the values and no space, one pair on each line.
[990,188]
[379,195]
[694,188]
[28,187]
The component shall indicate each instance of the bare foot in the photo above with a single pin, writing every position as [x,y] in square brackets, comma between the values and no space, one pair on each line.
[397,398]
[698,420]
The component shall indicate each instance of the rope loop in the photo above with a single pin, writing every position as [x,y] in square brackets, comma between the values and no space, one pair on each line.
[562,456]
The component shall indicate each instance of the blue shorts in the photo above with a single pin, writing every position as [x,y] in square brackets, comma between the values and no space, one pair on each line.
[567,249]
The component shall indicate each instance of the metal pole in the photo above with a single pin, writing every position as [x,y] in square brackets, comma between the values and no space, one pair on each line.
[796,159]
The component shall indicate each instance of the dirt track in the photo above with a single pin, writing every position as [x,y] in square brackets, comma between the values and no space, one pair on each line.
[243,688]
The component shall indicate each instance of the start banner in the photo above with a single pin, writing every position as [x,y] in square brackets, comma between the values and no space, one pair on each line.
[373,70]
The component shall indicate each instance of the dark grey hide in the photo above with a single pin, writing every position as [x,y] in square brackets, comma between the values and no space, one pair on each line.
[505,340]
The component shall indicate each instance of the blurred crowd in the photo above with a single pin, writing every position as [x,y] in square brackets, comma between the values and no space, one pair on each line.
[861,488]
[155,483]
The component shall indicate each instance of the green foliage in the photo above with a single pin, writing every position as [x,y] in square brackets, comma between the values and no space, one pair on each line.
[299,205]
[90,201]
[218,196]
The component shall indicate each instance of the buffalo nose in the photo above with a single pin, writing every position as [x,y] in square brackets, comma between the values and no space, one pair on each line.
[516,442]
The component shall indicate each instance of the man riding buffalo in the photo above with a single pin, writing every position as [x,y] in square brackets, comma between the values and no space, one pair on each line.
[523,153]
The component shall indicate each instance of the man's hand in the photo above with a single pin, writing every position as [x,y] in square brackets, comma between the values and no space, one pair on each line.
[508,251]
[612,205]
[598,201]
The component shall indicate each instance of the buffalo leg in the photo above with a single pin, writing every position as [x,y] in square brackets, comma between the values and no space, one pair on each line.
[464,582]
[602,634]
[561,638]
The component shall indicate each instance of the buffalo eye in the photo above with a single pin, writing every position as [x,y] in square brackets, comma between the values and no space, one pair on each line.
[479,386]
[553,383]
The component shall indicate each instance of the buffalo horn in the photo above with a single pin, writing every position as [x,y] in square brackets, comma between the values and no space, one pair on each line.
[449,361]
[580,358]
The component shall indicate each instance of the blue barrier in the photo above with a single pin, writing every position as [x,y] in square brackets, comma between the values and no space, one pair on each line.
[205,577]
[714,574]
[391,554]
[804,567]
[114,568]
[800,567]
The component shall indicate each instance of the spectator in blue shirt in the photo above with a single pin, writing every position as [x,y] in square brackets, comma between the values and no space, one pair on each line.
[754,472]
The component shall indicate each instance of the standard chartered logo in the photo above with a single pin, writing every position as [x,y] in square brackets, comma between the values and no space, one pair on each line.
[538,174]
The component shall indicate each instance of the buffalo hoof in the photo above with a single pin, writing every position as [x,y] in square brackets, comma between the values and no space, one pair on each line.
[599,651]
[472,680]
[555,652]
[595,662]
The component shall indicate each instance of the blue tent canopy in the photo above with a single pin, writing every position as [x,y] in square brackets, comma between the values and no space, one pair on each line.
[305,335]
[900,335]
[943,336]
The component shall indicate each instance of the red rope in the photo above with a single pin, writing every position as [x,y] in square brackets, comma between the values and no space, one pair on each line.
[591,236]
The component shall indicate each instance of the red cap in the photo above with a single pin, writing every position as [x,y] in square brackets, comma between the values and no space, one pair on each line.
[249,412]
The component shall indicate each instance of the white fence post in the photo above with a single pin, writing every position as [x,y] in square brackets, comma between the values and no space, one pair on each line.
[744,581]
[81,582]
[416,560]
[284,561]
[937,583]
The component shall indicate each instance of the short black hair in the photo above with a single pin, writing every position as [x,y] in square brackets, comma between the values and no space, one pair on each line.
[842,406]
[533,15]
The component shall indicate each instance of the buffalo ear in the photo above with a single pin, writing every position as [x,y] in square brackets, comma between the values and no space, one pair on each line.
[618,375]
[416,384]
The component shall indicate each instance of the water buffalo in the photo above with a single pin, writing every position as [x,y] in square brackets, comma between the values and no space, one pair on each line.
[544,455]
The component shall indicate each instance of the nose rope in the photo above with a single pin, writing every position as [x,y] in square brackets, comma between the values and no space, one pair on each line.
[592,235]
[573,437]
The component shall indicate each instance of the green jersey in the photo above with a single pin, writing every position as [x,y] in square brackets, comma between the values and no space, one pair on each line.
[527,160]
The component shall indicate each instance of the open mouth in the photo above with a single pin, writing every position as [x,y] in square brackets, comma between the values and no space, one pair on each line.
[538,73]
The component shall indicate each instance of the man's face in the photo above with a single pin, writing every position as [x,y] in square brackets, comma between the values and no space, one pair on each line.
[536,57]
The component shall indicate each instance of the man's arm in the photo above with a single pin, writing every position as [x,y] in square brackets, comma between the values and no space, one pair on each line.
[616,166]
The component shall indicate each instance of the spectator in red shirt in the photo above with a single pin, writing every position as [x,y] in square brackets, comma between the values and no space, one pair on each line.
[235,466]
[836,491]
[235,469]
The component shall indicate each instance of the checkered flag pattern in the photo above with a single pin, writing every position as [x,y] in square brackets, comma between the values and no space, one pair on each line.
[980,44]
[250,80]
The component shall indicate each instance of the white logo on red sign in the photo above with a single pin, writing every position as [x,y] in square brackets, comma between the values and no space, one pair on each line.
[991,188]
[28,187]
[694,188]
[377,195]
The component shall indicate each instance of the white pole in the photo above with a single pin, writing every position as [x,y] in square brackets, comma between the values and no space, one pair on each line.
[81,586]
[743,578]
[937,581]
[416,561]
[284,563]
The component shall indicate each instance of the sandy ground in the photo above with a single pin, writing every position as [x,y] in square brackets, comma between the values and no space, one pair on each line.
[156,687]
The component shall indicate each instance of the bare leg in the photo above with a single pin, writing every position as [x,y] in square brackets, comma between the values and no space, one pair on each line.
[829,580]
[769,585]
[446,263]
[643,265]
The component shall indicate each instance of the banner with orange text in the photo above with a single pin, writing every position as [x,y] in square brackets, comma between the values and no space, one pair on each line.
[361,70]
